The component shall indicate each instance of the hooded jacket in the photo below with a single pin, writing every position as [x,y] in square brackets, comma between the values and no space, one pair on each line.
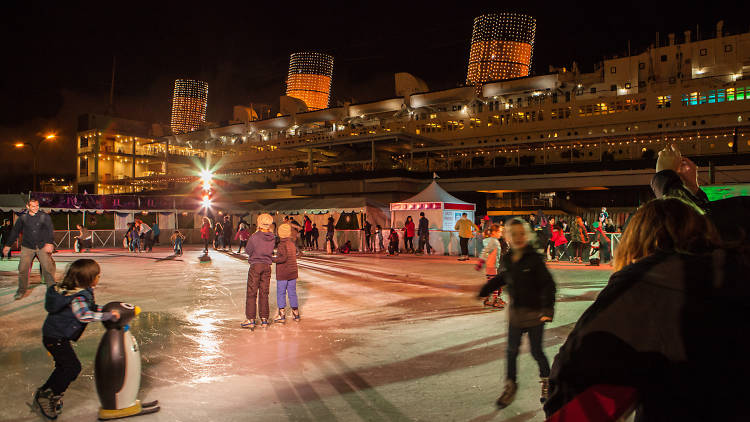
[259,248]
[671,325]
[61,323]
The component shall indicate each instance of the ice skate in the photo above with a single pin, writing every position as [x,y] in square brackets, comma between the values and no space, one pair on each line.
[281,317]
[498,303]
[295,314]
[264,323]
[508,394]
[49,404]
[249,324]
[544,381]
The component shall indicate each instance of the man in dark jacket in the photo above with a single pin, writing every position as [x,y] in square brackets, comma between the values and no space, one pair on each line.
[677,176]
[423,231]
[38,241]
[227,233]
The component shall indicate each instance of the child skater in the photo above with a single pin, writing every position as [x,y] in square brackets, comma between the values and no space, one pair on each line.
[532,303]
[393,243]
[492,253]
[177,239]
[70,306]
[243,234]
[286,274]
[259,251]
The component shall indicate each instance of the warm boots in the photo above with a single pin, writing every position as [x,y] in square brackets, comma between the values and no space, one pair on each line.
[281,317]
[508,394]
[49,404]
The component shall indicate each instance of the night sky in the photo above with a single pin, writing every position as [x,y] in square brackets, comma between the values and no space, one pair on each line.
[58,55]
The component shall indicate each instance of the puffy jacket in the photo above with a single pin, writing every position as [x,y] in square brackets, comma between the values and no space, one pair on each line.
[578,234]
[286,260]
[424,227]
[60,322]
[492,253]
[206,231]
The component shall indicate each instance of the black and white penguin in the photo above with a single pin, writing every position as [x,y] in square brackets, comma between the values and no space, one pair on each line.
[118,367]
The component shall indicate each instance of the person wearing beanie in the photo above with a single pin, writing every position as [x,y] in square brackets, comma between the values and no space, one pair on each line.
[286,274]
[259,251]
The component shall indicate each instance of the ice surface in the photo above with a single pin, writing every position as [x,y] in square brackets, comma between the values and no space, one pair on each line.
[381,338]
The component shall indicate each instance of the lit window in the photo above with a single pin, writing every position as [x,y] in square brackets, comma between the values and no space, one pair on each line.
[703,51]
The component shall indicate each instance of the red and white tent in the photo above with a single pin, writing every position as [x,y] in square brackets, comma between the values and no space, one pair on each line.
[441,208]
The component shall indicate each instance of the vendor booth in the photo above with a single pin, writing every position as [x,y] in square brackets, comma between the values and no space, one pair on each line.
[442,210]
[349,216]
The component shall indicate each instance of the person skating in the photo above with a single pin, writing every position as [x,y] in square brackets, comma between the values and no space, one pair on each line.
[286,274]
[367,229]
[559,240]
[578,238]
[38,241]
[466,229]
[83,240]
[259,251]
[492,253]
[393,243]
[227,233]
[70,306]
[314,234]
[243,234]
[4,233]
[531,290]
[147,236]
[206,233]
[218,236]
[307,236]
[423,231]
[330,231]
[408,235]
[177,239]
[379,234]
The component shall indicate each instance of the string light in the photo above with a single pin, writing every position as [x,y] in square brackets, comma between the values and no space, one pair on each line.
[501,47]
[309,78]
[189,105]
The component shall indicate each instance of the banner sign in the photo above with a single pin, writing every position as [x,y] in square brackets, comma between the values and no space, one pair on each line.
[102,202]
[408,206]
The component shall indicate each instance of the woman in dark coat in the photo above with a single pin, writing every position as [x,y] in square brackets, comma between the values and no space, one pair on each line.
[670,323]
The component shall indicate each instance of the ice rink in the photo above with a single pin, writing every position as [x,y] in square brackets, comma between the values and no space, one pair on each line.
[381,339]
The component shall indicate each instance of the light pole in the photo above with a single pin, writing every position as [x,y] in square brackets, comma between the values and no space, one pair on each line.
[34,145]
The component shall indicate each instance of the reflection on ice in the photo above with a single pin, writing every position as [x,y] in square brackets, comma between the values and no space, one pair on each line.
[203,361]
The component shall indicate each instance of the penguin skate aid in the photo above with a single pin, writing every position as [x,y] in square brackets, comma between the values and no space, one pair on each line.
[117,370]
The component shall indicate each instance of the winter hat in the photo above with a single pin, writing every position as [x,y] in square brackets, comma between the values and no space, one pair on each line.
[596,224]
[285,230]
[265,221]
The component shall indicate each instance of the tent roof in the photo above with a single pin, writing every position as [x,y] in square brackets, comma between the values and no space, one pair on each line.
[434,193]
[13,202]
[317,206]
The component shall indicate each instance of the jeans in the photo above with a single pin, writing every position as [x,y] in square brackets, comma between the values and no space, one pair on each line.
[135,244]
[329,238]
[464,241]
[46,264]
[368,247]
[284,286]
[178,246]
[424,239]
[258,285]
[536,334]
[67,365]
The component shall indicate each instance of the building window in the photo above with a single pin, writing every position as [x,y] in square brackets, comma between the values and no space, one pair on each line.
[84,142]
[704,52]
[627,85]
[593,90]
[641,65]
[641,84]
[613,87]
[613,69]
[84,166]
[728,48]
[664,57]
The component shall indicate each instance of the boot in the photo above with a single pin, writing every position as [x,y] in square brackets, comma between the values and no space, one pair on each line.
[49,404]
[281,317]
[508,394]
[545,389]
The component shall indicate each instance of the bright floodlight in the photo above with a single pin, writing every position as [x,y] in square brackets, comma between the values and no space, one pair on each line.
[20,144]
[50,136]
[206,201]
[206,177]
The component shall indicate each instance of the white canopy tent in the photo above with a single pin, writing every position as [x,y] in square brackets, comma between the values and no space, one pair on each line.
[442,210]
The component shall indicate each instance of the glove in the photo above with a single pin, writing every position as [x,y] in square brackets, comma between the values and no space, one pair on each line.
[479,265]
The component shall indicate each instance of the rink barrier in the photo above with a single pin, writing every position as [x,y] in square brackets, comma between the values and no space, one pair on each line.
[599,403]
